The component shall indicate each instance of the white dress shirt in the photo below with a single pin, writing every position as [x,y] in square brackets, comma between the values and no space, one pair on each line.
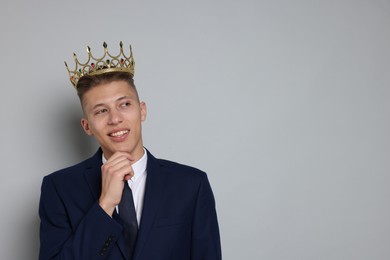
[137,184]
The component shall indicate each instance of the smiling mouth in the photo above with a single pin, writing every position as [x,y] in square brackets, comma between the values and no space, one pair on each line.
[119,133]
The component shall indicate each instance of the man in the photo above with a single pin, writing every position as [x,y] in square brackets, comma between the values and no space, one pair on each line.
[89,210]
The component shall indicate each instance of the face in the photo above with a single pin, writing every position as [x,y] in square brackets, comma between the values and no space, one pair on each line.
[113,114]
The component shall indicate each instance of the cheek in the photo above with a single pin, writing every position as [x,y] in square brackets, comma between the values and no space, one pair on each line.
[96,127]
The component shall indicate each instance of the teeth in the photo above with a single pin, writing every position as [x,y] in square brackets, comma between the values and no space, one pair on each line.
[119,133]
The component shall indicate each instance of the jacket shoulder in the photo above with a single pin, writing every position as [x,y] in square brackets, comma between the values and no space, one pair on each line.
[176,165]
[179,170]
[72,170]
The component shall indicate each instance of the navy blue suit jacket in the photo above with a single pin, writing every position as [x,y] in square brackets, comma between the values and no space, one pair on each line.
[178,219]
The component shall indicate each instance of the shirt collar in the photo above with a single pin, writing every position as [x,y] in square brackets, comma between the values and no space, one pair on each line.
[139,167]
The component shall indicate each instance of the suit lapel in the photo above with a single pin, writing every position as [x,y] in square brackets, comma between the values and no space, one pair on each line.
[92,174]
[155,183]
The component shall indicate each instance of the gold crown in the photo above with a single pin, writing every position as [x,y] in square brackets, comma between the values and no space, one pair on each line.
[107,63]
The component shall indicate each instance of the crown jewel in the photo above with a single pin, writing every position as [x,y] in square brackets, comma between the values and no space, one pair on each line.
[107,63]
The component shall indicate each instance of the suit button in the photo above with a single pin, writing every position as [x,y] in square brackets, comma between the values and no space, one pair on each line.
[103,251]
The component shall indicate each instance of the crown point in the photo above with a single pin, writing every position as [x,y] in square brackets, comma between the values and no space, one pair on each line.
[107,63]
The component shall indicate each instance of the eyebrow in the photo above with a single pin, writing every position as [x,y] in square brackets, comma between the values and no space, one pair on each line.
[118,99]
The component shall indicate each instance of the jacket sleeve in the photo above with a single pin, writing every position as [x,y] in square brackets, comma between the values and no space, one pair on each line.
[205,232]
[61,238]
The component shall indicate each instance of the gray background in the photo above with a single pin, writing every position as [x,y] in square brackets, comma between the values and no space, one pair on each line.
[284,103]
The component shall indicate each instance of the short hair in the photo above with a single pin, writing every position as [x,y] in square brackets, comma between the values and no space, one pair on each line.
[88,82]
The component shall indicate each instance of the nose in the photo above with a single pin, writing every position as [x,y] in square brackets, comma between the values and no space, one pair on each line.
[115,117]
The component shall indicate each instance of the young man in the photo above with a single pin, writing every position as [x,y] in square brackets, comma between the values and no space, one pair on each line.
[123,203]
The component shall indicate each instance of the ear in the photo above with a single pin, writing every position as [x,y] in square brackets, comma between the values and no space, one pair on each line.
[143,111]
[85,125]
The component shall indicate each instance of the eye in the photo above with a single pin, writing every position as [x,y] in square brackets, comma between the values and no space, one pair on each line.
[100,111]
[125,104]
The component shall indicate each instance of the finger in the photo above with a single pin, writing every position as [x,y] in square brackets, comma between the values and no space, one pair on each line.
[118,170]
[121,154]
[124,170]
[116,160]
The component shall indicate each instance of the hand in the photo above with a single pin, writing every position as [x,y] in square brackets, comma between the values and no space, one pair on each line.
[115,171]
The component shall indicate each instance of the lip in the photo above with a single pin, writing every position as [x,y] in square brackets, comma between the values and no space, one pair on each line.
[120,137]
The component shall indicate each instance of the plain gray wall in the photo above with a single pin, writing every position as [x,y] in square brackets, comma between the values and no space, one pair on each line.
[284,103]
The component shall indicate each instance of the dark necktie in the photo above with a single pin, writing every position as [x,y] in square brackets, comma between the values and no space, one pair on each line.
[128,215]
